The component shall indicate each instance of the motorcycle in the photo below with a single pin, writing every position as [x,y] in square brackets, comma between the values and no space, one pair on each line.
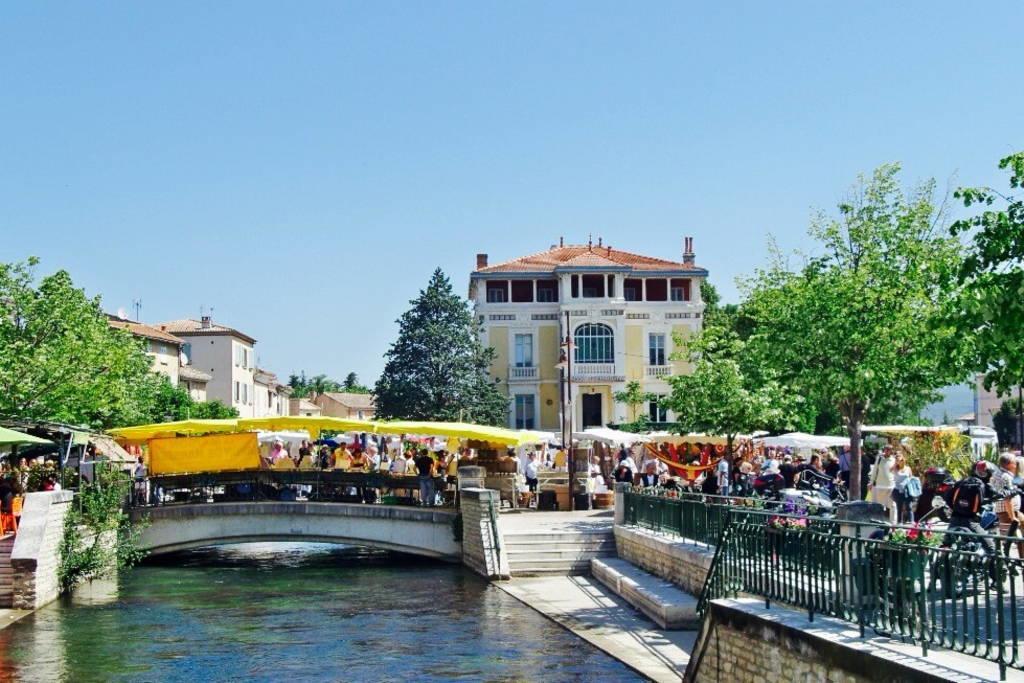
[937,483]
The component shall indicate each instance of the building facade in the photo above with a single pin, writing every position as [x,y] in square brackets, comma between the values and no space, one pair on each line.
[624,310]
[163,347]
[271,397]
[226,354]
[346,404]
[303,407]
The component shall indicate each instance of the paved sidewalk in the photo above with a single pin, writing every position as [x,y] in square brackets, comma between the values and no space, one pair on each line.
[590,611]
[579,522]
[9,616]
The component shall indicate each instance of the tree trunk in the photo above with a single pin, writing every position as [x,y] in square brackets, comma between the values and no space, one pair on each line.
[853,429]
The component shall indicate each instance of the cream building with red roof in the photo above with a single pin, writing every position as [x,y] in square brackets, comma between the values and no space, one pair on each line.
[624,310]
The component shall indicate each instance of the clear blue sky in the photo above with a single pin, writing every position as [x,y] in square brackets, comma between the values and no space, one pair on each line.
[303,167]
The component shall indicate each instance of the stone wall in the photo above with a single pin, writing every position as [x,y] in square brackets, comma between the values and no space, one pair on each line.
[743,642]
[684,563]
[482,549]
[35,558]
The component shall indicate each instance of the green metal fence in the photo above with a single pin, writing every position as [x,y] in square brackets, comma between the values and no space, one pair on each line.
[962,600]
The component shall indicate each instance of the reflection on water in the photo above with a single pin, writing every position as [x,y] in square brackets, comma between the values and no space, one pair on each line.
[295,612]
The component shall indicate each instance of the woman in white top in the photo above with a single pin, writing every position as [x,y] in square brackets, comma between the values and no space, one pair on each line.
[900,473]
[881,481]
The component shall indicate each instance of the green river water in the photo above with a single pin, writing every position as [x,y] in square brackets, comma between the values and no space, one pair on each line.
[295,612]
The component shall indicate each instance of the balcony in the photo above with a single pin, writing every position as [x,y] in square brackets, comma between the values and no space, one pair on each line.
[518,373]
[658,371]
[590,372]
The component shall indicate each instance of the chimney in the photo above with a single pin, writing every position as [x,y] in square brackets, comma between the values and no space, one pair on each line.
[561,241]
[688,255]
[206,322]
[481,261]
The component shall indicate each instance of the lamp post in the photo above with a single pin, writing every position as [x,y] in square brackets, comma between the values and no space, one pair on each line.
[565,365]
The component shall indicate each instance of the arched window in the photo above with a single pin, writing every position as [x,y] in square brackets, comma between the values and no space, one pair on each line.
[595,343]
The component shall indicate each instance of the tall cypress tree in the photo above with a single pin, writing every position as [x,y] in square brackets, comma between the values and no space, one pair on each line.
[437,369]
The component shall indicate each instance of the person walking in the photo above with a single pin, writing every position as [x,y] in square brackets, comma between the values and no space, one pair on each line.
[902,492]
[425,472]
[882,482]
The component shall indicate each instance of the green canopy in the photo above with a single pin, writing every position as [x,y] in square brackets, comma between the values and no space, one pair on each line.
[9,436]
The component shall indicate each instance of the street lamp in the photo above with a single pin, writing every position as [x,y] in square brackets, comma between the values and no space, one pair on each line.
[565,366]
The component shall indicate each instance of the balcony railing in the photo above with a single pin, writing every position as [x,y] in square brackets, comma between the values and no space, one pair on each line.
[518,373]
[658,371]
[585,371]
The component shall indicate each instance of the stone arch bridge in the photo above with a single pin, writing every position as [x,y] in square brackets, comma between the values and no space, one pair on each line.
[416,531]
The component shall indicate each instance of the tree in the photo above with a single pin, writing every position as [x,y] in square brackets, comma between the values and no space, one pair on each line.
[863,326]
[718,398]
[352,385]
[318,384]
[437,369]
[633,397]
[60,359]
[991,307]
[1006,423]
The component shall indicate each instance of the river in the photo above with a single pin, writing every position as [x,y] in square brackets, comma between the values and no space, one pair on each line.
[299,612]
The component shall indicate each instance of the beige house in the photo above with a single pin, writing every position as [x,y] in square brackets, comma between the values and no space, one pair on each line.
[346,404]
[164,348]
[623,312]
[303,407]
[194,381]
[987,402]
[226,354]
[271,397]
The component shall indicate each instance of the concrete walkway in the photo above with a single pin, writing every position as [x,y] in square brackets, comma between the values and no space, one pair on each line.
[9,616]
[579,522]
[590,611]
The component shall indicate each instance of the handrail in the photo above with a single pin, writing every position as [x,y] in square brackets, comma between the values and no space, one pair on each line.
[495,538]
[952,597]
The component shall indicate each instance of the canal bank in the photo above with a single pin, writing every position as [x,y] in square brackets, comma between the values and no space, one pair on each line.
[581,605]
[298,611]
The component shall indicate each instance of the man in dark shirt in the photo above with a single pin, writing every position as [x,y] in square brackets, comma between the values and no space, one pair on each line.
[425,471]
[788,471]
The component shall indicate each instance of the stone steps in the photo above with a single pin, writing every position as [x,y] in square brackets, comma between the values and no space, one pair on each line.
[556,553]
[664,603]
[6,571]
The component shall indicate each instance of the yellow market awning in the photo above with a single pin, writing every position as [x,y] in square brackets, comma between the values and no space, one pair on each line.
[211,453]
[314,425]
[462,430]
[162,429]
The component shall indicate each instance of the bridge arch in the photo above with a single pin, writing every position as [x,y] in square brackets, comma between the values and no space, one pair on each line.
[416,531]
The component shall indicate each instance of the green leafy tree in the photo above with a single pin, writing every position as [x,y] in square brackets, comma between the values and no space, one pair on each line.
[352,385]
[303,386]
[633,397]
[719,398]
[437,369]
[861,327]
[60,359]
[991,308]
[1006,423]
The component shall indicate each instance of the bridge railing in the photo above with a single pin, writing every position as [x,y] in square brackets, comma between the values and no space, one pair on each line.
[903,585]
[334,486]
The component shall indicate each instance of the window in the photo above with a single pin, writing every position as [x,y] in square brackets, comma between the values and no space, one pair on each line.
[522,291]
[245,357]
[593,286]
[595,343]
[656,349]
[186,349]
[524,350]
[632,289]
[238,355]
[547,291]
[656,411]
[524,411]
[238,392]
[657,290]
[497,291]
[680,289]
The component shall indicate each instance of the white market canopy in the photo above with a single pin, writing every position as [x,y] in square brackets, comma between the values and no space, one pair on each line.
[295,437]
[613,437]
[693,438]
[802,440]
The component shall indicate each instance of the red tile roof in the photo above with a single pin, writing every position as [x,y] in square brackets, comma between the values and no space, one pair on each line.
[189,327]
[585,256]
[142,330]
